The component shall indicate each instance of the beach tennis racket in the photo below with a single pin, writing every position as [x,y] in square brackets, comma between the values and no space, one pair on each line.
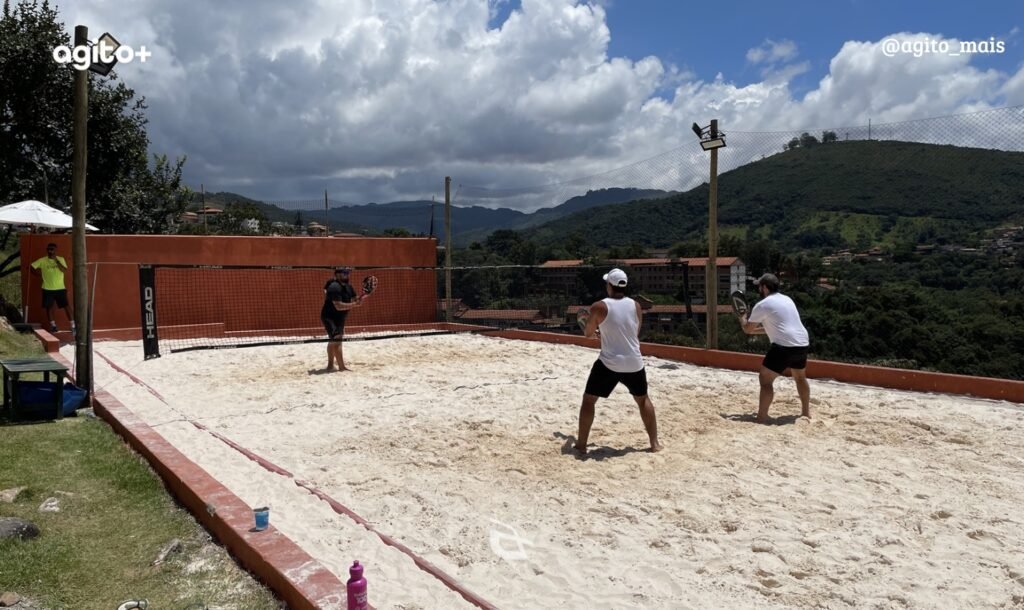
[739,304]
[369,285]
[582,316]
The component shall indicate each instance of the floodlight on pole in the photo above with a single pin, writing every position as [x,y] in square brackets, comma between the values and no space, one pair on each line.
[108,46]
[711,139]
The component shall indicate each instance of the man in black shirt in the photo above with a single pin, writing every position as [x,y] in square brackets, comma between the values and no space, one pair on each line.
[339,298]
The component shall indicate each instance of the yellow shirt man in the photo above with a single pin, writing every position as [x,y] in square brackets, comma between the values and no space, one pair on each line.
[52,267]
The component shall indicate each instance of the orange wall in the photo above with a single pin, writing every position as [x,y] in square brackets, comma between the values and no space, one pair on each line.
[404,296]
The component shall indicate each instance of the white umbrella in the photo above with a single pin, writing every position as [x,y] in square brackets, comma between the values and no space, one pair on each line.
[37,213]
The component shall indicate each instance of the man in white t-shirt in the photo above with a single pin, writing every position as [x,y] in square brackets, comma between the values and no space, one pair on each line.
[775,315]
[617,320]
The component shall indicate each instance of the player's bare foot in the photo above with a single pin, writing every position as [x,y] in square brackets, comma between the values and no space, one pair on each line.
[762,419]
[580,450]
[656,447]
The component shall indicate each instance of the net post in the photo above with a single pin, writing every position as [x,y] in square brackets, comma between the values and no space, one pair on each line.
[147,298]
[448,248]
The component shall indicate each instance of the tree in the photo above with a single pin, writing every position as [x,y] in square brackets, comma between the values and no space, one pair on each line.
[232,221]
[397,232]
[792,144]
[123,193]
[807,140]
[829,136]
[503,241]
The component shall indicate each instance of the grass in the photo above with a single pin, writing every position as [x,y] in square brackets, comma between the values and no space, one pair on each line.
[115,517]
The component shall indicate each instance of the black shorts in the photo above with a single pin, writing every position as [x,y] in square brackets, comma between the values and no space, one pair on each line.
[60,297]
[780,358]
[603,380]
[335,327]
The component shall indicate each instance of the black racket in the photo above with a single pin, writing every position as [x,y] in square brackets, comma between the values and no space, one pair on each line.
[582,316]
[369,285]
[739,304]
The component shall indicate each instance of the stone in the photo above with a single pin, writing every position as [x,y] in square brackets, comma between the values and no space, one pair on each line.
[12,527]
[8,495]
[50,505]
[9,599]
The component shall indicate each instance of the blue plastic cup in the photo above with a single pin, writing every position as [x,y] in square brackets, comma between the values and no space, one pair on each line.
[262,518]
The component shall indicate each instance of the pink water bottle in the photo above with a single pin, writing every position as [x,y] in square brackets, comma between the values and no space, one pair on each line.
[356,587]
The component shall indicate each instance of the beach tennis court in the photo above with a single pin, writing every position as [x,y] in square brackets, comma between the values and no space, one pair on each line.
[457,446]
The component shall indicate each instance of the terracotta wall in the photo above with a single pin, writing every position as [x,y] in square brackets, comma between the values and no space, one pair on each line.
[405,296]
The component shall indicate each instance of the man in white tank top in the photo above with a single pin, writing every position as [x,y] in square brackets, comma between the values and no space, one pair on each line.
[617,320]
[775,315]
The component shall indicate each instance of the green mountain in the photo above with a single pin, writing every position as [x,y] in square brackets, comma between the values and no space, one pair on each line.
[840,194]
[469,223]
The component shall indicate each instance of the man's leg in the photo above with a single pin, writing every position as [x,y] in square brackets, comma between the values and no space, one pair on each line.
[48,306]
[330,355]
[767,379]
[341,359]
[586,421]
[650,421]
[71,317]
[804,390]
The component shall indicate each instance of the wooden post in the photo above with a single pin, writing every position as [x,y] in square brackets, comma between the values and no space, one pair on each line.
[327,215]
[80,273]
[711,281]
[448,248]
[202,203]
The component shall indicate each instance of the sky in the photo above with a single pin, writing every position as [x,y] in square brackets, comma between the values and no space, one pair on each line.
[379,100]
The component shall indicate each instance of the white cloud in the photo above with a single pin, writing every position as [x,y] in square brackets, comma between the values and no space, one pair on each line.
[771,52]
[376,100]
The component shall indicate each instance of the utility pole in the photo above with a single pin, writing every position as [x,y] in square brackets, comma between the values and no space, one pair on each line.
[711,284]
[327,215]
[448,248]
[202,204]
[80,274]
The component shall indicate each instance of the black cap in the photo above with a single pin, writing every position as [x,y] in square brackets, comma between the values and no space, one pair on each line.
[342,270]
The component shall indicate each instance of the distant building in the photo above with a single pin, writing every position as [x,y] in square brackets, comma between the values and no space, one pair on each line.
[662,318]
[654,275]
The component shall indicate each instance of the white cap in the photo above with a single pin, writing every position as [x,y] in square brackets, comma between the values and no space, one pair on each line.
[616,277]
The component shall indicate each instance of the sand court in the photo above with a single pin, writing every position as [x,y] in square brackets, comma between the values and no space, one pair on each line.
[459,447]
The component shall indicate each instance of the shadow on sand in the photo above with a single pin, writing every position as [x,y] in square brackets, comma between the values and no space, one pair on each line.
[594,452]
[751,418]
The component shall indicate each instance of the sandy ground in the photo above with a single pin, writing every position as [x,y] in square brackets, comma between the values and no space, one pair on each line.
[458,446]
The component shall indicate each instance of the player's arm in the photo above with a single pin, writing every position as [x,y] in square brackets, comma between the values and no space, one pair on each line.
[61,263]
[598,312]
[753,327]
[639,319]
[343,306]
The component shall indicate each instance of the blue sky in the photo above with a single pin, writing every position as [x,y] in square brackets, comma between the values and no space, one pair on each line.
[707,38]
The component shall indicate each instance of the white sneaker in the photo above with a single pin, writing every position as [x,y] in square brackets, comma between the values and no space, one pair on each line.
[74,331]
